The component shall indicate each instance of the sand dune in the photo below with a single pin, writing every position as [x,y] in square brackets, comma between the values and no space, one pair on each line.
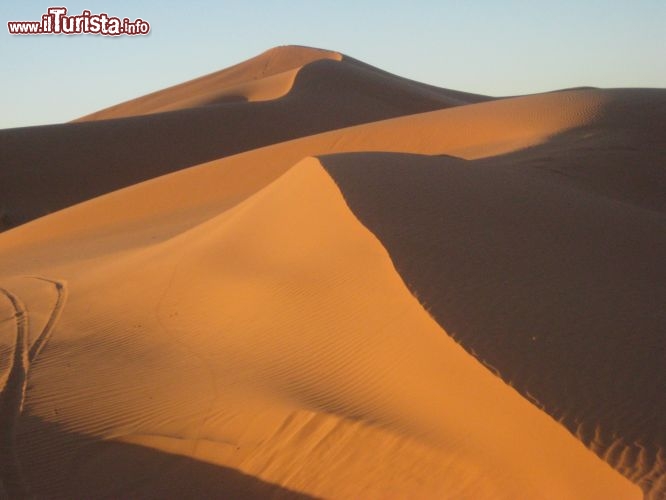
[471,131]
[459,303]
[536,289]
[273,74]
[324,372]
[270,75]
[48,168]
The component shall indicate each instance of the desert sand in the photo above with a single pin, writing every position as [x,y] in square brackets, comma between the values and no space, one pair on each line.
[304,277]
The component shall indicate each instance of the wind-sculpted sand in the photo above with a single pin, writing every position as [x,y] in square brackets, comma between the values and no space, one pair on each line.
[419,293]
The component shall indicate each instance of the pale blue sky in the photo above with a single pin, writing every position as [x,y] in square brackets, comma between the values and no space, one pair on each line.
[489,47]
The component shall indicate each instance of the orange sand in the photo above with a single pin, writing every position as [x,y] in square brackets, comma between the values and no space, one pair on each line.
[252,326]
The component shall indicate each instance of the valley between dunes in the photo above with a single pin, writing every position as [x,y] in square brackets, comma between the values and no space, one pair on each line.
[304,277]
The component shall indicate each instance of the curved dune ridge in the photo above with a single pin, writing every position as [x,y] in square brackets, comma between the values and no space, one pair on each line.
[437,295]
[283,376]
[473,131]
[48,168]
[267,76]
[271,75]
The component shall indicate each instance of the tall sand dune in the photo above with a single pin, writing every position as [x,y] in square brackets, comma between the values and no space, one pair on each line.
[470,131]
[277,339]
[267,76]
[48,168]
[557,289]
[272,75]
[419,293]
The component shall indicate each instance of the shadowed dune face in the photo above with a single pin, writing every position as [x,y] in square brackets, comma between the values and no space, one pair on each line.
[57,173]
[174,202]
[81,466]
[277,339]
[273,74]
[51,167]
[561,290]
[455,97]
[266,76]
[622,155]
[266,323]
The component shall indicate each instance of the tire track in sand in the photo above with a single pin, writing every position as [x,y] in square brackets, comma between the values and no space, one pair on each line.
[12,395]
[43,338]
[11,403]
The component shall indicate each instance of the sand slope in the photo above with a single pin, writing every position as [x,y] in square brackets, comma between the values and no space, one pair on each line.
[276,339]
[268,324]
[48,168]
[267,76]
[559,290]
[271,75]
[469,131]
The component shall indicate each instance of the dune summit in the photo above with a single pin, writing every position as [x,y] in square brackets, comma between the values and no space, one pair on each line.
[304,277]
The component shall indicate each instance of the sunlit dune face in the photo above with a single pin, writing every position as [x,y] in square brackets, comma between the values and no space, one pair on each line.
[308,278]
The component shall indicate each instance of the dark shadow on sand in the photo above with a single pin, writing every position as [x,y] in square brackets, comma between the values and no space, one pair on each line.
[47,168]
[556,280]
[58,463]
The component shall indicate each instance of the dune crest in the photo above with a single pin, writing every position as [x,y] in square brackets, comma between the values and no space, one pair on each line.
[474,131]
[306,277]
[323,381]
[48,168]
[266,76]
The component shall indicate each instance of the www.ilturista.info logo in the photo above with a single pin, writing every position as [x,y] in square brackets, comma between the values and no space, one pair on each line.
[56,21]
